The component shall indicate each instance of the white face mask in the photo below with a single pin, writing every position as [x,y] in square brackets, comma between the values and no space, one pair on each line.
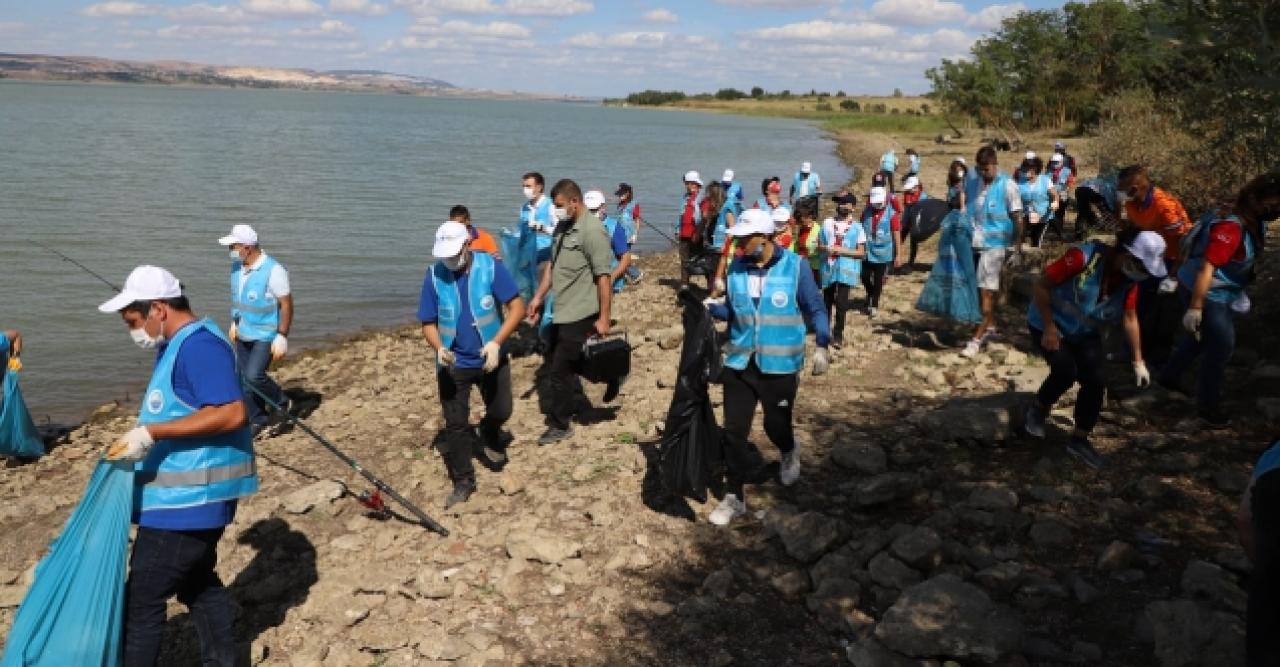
[528,193]
[560,212]
[235,255]
[144,340]
[455,263]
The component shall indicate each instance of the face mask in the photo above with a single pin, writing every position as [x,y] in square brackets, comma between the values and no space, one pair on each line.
[560,212]
[528,193]
[235,255]
[1133,270]
[455,263]
[144,340]
[959,173]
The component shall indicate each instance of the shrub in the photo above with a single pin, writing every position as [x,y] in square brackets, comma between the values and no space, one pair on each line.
[850,105]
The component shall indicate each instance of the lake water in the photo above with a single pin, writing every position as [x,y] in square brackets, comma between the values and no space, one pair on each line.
[345,189]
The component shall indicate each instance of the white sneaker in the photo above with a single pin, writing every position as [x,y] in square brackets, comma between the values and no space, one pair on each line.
[790,466]
[873,312]
[972,349]
[729,509]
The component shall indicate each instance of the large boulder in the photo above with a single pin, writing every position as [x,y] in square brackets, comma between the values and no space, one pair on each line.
[809,535]
[1212,582]
[540,546]
[885,487]
[945,617]
[987,420]
[1188,635]
[864,457]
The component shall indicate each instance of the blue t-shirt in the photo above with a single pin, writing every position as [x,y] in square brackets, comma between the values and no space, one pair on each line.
[619,241]
[1270,460]
[204,374]
[466,343]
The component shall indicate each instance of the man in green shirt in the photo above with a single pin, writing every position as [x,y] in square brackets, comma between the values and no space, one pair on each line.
[577,278]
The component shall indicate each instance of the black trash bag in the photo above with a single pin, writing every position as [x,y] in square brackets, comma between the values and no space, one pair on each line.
[924,218]
[691,455]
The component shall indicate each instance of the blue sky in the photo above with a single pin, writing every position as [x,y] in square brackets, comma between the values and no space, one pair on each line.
[577,47]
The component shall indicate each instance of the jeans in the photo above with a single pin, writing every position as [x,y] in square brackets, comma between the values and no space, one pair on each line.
[252,358]
[1079,360]
[743,390]
[455,404]
[1217,343]
[873,280]
[169,562]
[562,393]
[836,298]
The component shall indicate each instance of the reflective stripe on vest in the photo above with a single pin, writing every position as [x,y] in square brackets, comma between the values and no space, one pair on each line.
[837,268]
[879,236]
[1077,304]
[480,299]
[993,219]
[1230,279]
[187,472]
[773,331]
[254,310]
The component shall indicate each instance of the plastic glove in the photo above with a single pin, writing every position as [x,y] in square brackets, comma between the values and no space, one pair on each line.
[492,354]
[1141,375]
[132,446]
[15,364]
[279,347]
[712,301]
[231,333]
[821,361]
[1191,321]
[1168,285]
[445,358]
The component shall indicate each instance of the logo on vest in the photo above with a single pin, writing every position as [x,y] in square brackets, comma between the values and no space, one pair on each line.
[155,401]
[253,296]
[486,303]
[779,299]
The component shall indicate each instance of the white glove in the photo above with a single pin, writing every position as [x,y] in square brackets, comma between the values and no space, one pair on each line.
[712,301]
[492,354]
[279,347]
[720,286]
[132,446]
[1168,285]
[1191,321]
[444,358]
[232,332]
[1053,205]
[820,361]
[1141,375]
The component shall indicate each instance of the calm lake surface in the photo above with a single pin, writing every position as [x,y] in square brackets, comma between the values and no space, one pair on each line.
[345,189]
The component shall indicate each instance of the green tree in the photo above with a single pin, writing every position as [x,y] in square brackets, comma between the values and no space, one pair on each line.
[757,92]
[730,94]
[897,92]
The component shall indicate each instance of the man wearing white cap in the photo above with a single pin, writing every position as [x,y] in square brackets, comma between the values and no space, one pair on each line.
[617,233]
[689,222]
[771,294]
[461,310]
[1091,285]
[880,225]
[806,183]
[732,191]
[261,315]
[193,457]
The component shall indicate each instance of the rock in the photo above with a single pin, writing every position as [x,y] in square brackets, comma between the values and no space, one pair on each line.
[1269,409]
[891,572]
[791,584]
[807,536]
[835,564]
[985,420]
[1117,556]
[1082,590]
[993,498]
[1002,578]
[320,493]
[1050,534]
[834,599]
[1230,481]
[669,338]
[1211,582]
[545,548]
[946,617]
[871,653]
[1027,379]
[1186,634]
[717,584]
[921,548]
[433,585]
[864,457]
[885,487]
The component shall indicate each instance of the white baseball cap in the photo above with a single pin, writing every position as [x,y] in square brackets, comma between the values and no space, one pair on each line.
[242,234]
[961,160]
[877,196]
[911,183]
[594,199]
[805,168]
[1149,248]
[1058,145]
[752,221]
[692,177]
[145,283]
[1057,157]
[450,238]
[1031,155]
[728,175]
[781,216]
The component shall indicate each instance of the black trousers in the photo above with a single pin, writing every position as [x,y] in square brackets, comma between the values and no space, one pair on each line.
[165,563]
[836,298]
[561,390]
[743,390]
[1074,361]
[455,404]
[873,281]
[1262,642]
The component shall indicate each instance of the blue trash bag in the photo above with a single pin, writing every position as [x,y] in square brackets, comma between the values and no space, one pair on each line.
[952,288]
[520,256]
[18,434]
[73,614]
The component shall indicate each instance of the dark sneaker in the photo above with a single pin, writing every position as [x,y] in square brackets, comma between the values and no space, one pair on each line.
[553,435]
[837,344]
[461,493]
[1083,451]
[1215,416]
[1033,420]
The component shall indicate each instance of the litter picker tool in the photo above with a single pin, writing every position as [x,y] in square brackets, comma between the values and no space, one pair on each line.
[86,269]
[661,233]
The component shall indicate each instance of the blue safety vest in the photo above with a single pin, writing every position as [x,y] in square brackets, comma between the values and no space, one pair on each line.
[254,310]
[879,236]
[913,166]
[889,162]
[485,309]
[804,186]
[1230,279]
[1060,182]
[763,204]
[627,215]
[611,226]
[993,219]
[1035,195]
[188,472]
[733,193]
[841,269]
[772,330]
[1077,304]
[697,213]
[539,213]
[722,223]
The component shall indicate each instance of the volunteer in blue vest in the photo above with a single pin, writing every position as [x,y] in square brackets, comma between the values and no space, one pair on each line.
[1258,520]
[913,163]
[12,349]
[578,281]
[536,213]
[806,183]
[729,210]
[261,315]
[771,296]
[628,215]
[1090,287]
[888,165]
[771,200]
[994,206]
[688,222]
[463,297]
[1222,263]
[732,190]
[193,454]
[844,247]
[595,202]
[1040,199]
[1064,181]
[880,223]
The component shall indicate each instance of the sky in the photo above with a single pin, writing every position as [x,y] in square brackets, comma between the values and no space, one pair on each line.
[604,48]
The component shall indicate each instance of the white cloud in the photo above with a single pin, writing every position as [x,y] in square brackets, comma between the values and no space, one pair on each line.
[204,14]
[118,9]
[493,29]
[660,16]
[776,4]
[282,8]
[12,27]
[556,8]
[364,7]
[547,7]
[826,31]
[672,44]
[192,31]
[945,40]
[919,12]
[327,28]
[990,17]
